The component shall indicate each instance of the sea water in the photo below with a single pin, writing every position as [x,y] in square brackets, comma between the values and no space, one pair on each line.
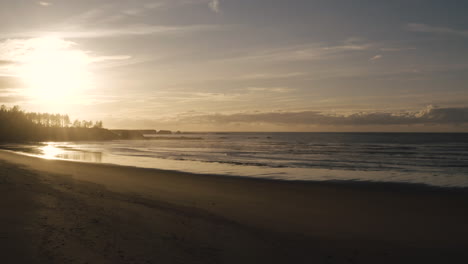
[436,159]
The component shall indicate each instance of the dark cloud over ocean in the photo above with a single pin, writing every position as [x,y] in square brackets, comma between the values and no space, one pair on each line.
[430,115]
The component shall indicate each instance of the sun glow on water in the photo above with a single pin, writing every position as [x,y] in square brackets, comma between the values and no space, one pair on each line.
[50,152]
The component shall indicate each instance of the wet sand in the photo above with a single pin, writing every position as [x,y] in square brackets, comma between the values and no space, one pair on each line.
[69,212]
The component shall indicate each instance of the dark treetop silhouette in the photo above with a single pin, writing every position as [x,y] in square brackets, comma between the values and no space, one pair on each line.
[17,125]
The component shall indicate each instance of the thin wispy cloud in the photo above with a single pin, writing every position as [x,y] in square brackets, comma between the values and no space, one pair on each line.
[434,29]
[215,6]
[7,83]
[117,20]
[376,57]
[14,52]
[118,11]
[44,4]
[306,52]
[129,30]
[11,99]
[270,89]
[5,62]
[154,5]
[396,49]
[267,76]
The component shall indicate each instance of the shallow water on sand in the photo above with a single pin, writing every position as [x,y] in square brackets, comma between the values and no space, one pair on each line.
[433,159]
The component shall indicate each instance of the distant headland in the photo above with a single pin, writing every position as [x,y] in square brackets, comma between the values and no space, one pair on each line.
[17,125]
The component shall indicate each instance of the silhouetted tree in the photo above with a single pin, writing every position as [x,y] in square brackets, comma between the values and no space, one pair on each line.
[98,124]
[16,125]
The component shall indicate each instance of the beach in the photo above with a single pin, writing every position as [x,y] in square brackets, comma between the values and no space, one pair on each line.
[56,211]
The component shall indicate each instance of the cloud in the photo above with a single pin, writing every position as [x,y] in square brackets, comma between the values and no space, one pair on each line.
[214,6]
[10,90]
[16,52]
[396,49]
[8,83]
[119,12]
[267,76]
[439,30]
[429,116]
[110,58]
[129,30]
[43,3]
[116,19]
[186,97]
[153,5]
[270,89]
[11,99]
[306,52]
[376,57]
[6,62]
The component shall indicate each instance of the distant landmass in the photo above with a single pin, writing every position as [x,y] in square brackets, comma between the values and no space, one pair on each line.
[132,134]
[17,125]
[150,134]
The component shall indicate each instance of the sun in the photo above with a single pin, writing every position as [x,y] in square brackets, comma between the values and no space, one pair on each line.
[53,70]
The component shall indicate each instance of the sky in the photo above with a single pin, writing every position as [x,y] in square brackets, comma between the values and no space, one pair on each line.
[240,65]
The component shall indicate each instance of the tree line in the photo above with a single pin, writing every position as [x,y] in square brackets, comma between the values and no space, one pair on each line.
[45,119]
[17,125]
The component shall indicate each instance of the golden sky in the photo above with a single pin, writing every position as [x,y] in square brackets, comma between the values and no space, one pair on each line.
[240,65]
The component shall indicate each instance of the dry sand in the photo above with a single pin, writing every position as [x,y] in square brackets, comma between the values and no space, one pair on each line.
[69,212]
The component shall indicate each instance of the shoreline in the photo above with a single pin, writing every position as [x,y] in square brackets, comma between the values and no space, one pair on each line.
[381,185]
[302,221]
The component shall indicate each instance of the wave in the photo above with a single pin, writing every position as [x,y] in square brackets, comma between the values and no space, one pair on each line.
[395,157]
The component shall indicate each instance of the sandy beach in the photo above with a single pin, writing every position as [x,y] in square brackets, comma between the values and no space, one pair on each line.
[56,211]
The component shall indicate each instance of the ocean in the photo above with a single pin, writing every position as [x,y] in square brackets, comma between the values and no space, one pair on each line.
[437,159]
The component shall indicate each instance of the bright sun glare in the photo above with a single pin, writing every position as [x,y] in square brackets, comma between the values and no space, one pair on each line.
[53,70]
[50,151]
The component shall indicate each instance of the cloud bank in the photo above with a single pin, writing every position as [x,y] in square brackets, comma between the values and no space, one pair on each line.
[440,30]
[429,116]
